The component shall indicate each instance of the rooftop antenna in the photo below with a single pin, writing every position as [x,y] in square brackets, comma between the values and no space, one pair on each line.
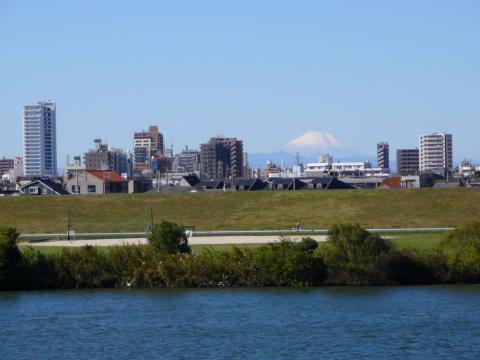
[97,142]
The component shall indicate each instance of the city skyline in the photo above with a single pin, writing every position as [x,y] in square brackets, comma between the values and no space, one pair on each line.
[362,73]
[310,144]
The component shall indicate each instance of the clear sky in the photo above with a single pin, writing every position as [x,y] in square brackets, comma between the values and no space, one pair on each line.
[263,71]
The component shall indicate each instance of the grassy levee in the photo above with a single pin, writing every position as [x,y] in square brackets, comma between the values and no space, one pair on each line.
[244,211]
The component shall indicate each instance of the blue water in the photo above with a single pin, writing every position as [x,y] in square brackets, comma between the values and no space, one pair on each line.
[439,322]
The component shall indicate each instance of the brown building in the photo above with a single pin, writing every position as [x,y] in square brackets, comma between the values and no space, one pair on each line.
[6,165]
[103,158]
[222,158]
[147,144]
[408,162]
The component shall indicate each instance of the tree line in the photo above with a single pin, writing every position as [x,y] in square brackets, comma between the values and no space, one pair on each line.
[350,256]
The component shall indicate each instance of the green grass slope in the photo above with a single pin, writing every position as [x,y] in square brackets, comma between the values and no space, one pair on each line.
[242,210]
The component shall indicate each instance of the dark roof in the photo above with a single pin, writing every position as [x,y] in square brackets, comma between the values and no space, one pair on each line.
[284,181]
[192,180]
[330,183]
[289,182]
[57,187]
[339,185]
[251,184]
[210,184]
[321,180]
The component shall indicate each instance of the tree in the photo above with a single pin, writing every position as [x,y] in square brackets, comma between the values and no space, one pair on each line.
[10,257]
[169,238]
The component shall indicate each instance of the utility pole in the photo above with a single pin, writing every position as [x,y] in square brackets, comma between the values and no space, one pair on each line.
[151,221]
[68,225]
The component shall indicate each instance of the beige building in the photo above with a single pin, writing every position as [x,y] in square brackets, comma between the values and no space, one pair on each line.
[96,182]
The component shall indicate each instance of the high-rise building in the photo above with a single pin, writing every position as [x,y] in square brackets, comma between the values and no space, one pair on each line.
[436,155]
[40,139]
[383,155]
[147,144]
[408,162]
[221,158]
[103,158]
[6,165]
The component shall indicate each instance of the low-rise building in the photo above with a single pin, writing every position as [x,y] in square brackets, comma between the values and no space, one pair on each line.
[416,181]
[96,182]
[43,187]
[342,169]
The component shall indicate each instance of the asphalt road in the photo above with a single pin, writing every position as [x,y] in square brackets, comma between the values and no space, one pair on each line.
[197,240]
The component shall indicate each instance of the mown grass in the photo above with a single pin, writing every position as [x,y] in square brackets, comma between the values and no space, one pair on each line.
[418,241]
[243,210]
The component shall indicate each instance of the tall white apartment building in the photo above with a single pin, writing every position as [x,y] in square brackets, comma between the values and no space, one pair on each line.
[436,153]
[40,139]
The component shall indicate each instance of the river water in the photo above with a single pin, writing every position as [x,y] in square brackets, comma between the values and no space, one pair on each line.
[437,322]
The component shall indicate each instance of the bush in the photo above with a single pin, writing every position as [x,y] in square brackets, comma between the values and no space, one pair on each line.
[410,267]
[287,264]
[37,271]
[169,238]
[353,256]
[350,256]
[83,268]
[462,248]
[135,266]
[10,258]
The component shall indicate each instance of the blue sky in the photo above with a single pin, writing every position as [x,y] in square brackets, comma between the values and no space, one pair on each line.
[263,71]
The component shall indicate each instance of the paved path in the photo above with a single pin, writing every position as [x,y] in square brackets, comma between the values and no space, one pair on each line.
[197,240]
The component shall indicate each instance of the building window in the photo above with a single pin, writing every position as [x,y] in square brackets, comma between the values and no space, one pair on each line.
[33,190]
[92,189]
[75,189]
[44,191]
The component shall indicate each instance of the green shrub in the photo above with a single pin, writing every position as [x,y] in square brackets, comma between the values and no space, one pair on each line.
[85,267]
[169,238]
[287,264]
[135,266]
[37,271]
[462,248]
[409,267]
[10,258]
[353,256]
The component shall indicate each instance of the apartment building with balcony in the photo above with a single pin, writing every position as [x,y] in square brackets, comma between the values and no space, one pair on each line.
[436,154]
[408,162]
[222,158]
[40,139]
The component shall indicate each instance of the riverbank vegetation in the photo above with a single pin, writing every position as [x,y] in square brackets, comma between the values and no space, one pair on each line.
[350,256]
[314,209]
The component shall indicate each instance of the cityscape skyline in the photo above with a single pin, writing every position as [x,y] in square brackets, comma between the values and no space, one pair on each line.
[220,157]
[311,144]
[362,73]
